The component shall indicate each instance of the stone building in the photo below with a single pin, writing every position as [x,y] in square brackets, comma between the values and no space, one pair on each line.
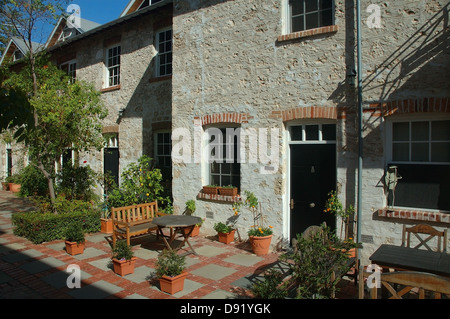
[279,77]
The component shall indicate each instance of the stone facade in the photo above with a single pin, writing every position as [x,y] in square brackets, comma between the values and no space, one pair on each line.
[236,65]
[235,58]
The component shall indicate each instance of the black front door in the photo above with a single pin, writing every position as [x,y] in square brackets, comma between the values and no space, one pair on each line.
[111,163]
[313,176]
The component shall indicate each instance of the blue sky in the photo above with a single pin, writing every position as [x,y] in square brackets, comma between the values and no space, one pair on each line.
[101,11]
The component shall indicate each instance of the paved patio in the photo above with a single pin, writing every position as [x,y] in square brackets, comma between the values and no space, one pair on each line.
[40,271]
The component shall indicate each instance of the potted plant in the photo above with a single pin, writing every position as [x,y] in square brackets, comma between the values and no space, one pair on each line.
[190,210]
[260,236]
[123,258]
[106,225]
[334,206]
[75,241]
[170,271]
[229,190]
[210,189]
[13,183]
[225,232]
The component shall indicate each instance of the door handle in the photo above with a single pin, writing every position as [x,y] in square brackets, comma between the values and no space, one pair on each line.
[312,205]
[292,203]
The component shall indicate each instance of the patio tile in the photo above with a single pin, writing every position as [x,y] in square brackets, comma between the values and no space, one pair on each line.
[135,296]
[23,255]
[59,278]
[98,238]
[244,259]
[220,294]
[4,277]
[97,290]
[90,252]
[140,274]
[15,246]
[146,253]
[104,264]
[214,272]
[210,251]
[41,265]
[189,287]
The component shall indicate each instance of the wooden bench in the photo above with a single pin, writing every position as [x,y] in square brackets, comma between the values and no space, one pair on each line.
[135,220]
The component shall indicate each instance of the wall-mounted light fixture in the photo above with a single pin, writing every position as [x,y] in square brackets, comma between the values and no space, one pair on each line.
[351,77]
[121,111]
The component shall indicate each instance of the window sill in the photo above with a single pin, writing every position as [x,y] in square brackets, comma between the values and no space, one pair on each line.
[415,215]
[160,78]
[308,33]
[111,88]
[218,198]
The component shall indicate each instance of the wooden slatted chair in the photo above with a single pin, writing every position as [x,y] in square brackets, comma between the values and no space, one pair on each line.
[422,230]
[410,284]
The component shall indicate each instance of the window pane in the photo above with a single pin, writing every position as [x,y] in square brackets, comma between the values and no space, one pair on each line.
[311,5]
[296,6]
[329,132]
[215,180]
[440,131]
[297,24]
[325,4]
[296,133]
[440,152]
[419,152]
[419,131]
[400,131]
[226,168]
[312,20]
[312,132]
[226,180]
[162,37]
[326,18]
[215,168]
[400,152]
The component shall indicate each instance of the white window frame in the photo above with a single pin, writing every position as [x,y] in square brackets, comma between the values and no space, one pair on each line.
[110,68]
[156,144]
[287,16]
[71,69]
[409,119]
[165,53]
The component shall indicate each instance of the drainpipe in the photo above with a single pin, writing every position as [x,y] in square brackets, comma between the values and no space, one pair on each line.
[360,111]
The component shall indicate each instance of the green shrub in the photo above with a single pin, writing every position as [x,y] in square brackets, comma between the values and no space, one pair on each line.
[76,182]
[222,228]
[122,251]
[170,264]
[33,182]
[45,226]
[140,184]
[74,233]
[271,286]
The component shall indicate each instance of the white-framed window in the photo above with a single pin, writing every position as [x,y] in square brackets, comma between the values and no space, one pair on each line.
[70,68]
[312,133]
[113,65]
[147,3]
[308,14]
[223,156]
[420,141]
[163,149]
[418,149]
[164,57]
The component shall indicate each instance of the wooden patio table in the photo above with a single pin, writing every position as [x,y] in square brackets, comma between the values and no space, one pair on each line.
[412,259]
[177,223]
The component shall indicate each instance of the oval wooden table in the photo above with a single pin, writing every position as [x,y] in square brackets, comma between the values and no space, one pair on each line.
[177,224]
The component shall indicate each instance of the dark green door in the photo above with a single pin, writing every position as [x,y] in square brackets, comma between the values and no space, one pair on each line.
[313,176]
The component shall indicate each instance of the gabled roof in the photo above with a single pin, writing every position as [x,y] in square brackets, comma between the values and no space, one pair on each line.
[18,44]
[135,5]
[85,25]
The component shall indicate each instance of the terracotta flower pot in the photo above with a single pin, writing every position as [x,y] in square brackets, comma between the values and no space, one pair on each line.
[227,191]
[195,231]
[124,267]
[106,225]
[74,248]
[5,186]
[212,190]
[260,245]
[227,238]
[14,188]
[174,284]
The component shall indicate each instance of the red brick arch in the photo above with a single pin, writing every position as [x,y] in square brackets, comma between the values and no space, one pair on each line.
[307,112]
[225,117]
